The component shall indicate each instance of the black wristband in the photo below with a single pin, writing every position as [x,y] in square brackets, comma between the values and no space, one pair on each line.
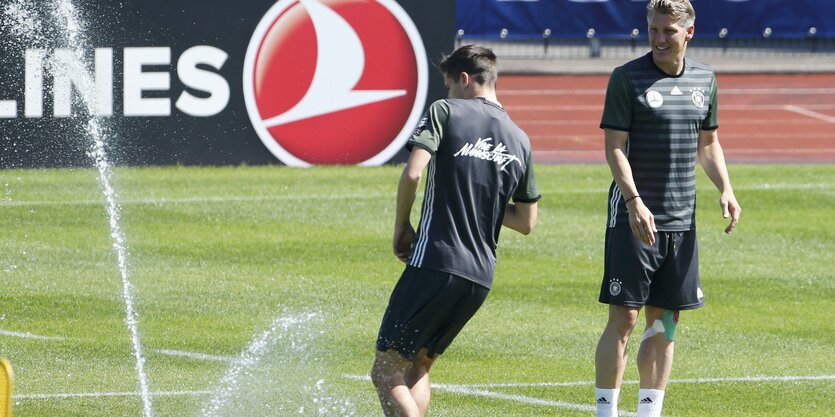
[631,198]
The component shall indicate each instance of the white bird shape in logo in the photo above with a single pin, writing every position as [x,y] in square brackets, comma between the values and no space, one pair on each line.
[339,65]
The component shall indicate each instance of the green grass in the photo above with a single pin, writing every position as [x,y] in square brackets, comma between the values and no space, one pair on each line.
[218,254]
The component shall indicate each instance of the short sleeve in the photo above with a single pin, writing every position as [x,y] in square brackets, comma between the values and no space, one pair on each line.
[431,128]
[711,122]
[528,190]
[617,109]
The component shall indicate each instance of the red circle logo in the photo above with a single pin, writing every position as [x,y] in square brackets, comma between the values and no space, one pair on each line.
[335,81]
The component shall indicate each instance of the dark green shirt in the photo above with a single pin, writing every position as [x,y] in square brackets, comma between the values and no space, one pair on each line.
[480,160]
[663,115]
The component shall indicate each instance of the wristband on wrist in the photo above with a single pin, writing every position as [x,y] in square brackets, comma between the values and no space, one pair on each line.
[631,198]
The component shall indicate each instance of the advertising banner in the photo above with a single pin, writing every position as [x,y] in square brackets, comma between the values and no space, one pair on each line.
[298,82]
[617,18]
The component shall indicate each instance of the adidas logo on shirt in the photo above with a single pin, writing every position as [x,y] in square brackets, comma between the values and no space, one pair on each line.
[646,400]
[676,91]
[603,400]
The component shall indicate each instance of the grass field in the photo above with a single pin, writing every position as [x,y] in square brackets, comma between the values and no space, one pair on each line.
[260,290]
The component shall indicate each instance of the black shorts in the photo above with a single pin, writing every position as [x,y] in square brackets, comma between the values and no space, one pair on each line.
[664,275]
[427,309]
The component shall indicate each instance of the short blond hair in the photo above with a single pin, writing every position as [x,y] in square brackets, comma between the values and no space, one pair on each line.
[678,9]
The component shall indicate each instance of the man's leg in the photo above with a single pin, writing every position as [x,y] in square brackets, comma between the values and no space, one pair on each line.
[655,360]
[389,377]
[610,357]
[417,380]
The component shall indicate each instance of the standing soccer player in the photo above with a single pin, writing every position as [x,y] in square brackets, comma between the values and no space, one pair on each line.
[660,112]
[478,160]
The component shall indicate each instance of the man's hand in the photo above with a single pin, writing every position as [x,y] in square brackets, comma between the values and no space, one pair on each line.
[404,237]
[641,221]
[730,208]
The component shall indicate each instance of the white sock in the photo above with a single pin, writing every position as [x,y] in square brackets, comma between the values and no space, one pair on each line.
[650,402]
[607,402]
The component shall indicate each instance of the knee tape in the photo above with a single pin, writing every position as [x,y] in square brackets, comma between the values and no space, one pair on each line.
[666,325]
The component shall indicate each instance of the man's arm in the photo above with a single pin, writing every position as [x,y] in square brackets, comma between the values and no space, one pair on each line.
[641,220]
[713,161]
[404,233]
[520,217]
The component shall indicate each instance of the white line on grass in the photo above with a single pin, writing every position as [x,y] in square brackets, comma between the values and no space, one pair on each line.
[591,383]
[471,390]
[812,114]
[753,379]
[194,355]
[28,335]
[107,394]
[744,379]
[460,389]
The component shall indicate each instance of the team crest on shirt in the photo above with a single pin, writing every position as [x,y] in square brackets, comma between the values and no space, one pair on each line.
[654,99]
[483,149]
[698,98]
[614,286]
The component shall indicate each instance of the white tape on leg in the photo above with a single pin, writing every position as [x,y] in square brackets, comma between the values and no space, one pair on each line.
[657,327]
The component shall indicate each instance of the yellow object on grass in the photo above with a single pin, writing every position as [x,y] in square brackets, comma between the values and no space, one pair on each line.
[6,383]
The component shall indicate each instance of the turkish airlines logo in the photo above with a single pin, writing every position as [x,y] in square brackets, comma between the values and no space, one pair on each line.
[335,81]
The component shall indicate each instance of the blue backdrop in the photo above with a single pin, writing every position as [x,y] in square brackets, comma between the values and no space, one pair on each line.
[617,18]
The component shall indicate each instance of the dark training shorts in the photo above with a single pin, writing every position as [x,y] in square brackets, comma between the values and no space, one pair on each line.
[427,309]
[664,275]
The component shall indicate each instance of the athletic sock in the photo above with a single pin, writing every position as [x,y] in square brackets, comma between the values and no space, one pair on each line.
[607,402]
[650,402]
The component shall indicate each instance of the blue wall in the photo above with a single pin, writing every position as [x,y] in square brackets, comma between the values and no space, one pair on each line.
[617,18]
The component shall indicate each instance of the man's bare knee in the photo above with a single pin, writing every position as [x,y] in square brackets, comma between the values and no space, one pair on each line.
[389,369]
[622,320]
[418,368]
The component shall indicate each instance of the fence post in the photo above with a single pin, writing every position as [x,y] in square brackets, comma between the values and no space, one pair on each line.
[723,39]
[767,35]
[813,36]
[546,39]
[633,39]
[594,43]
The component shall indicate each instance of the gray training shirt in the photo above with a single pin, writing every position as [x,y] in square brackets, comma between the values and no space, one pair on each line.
[663,115]
[480,159]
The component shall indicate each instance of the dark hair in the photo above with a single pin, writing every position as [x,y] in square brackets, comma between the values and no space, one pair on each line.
[477,61]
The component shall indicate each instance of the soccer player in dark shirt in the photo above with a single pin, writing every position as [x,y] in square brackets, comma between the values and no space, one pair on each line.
[478,160]
[660,112]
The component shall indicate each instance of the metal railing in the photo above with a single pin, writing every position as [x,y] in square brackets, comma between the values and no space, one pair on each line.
[593,45]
